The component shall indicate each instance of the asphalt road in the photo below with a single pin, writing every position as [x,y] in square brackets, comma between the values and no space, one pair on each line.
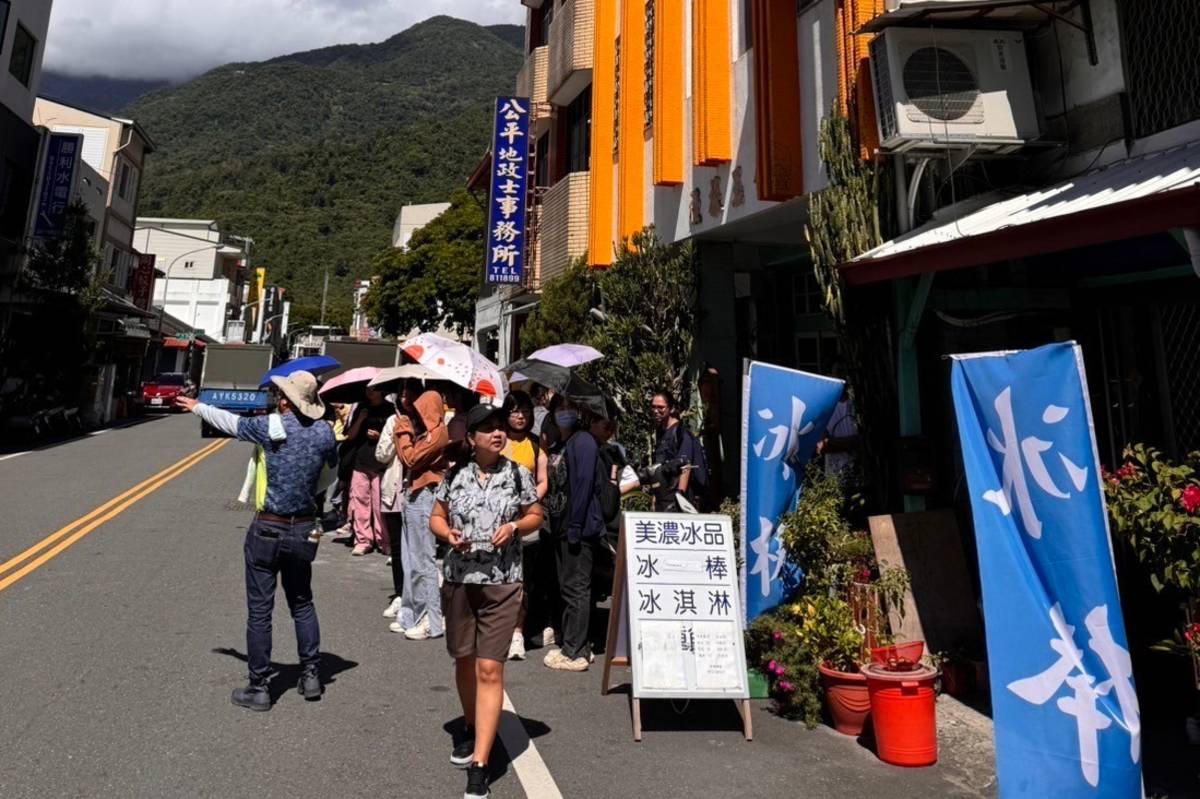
[118,653]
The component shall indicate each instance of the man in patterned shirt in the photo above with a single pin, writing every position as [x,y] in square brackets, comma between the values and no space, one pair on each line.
[482,509]
[282,539]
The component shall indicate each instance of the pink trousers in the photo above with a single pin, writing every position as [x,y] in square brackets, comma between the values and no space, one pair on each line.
[365,517]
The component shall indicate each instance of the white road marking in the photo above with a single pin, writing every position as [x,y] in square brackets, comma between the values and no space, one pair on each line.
[531,770]
[15,455]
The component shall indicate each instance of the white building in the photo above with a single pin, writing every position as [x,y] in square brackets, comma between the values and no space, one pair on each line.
[412,218]
[202,272]
[116,149]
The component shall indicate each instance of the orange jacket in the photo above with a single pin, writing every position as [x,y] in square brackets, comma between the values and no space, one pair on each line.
[424,456]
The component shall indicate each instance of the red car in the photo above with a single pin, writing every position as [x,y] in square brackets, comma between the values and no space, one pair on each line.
[160,394]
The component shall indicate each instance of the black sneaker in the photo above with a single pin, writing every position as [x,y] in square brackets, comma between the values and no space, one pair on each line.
[464,748]
[477,782]
[310,686]
[252,697]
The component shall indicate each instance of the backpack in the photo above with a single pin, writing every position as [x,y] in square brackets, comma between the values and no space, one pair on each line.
[608,492]
[698,484]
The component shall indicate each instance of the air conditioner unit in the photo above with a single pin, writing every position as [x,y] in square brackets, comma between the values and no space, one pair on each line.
[939,87]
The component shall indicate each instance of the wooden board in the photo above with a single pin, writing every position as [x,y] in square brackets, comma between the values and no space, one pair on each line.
[940,607]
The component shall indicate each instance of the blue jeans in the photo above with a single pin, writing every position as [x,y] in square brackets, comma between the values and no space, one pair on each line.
[418,554]
[276,550]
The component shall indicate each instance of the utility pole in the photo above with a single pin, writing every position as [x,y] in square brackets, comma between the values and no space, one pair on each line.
[324,296]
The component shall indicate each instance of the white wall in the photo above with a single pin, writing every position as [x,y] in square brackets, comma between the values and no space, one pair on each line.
[34,16]
[818,84]
[177,244]
[203,304]
[1083,82]
[668,207]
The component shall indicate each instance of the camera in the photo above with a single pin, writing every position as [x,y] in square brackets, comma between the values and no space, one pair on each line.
[664,474]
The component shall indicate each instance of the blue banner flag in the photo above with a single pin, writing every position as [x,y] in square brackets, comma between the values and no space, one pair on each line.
[1064,704]
[510,178]
[785,414]
[58,183]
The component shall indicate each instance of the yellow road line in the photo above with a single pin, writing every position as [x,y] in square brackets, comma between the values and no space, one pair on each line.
[109,510]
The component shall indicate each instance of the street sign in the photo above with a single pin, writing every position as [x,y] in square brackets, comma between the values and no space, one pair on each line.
[59,174]
[510,179]
[676,619]
[143,281]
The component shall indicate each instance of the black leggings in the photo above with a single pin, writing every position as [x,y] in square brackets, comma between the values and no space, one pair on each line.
[395,526]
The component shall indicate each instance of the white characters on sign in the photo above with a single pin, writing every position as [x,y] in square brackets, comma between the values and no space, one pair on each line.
[768,555]
[505,254]
[1084,701]
[506,232]
[786,436]
[1020,454]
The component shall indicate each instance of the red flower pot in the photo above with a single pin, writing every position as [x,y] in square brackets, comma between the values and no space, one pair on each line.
[847,698]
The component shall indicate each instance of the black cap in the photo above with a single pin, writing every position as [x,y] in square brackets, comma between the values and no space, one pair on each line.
[477,416]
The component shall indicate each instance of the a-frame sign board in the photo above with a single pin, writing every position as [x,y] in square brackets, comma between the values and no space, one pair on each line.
[676,612]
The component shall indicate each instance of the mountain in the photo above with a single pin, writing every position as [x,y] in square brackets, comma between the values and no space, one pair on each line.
[513,34]
[99,93]
[312,154]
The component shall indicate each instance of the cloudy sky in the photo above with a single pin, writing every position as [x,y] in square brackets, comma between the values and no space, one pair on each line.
[177,39]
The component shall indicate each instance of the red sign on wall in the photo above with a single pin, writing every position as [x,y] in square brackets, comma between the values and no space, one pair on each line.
[143,282]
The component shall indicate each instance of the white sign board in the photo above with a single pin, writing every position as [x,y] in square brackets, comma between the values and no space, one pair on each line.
[683,607]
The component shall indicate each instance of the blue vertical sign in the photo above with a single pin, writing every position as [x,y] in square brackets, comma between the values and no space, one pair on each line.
[785,414]
[1065,708]
[58,184]
[510,179]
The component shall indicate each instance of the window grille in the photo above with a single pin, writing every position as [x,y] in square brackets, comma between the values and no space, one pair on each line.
[1162,62]
[1181,344]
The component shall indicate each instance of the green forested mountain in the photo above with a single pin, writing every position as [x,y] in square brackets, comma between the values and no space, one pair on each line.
[313,154]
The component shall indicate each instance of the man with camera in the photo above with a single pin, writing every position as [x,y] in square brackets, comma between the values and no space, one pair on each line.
[680,466]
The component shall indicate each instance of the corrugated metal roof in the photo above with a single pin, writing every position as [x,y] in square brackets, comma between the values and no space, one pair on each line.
[979,12]
[1136,178]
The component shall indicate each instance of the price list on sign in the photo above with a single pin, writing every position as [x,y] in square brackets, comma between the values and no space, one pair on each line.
[677,615]
[509,185]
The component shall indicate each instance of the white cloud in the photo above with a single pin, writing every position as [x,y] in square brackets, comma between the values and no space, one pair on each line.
[178,39]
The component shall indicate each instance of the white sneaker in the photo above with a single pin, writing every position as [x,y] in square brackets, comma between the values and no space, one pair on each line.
[389,561]
[548,637]
[397,627]
[421,632]
[392,609]
[516,650]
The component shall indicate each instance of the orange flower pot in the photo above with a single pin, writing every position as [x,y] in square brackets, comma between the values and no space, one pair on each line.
[847,698]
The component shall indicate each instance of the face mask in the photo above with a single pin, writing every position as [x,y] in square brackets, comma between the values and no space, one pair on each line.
[566,418]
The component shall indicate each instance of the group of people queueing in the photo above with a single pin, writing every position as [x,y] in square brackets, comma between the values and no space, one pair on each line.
[521,501]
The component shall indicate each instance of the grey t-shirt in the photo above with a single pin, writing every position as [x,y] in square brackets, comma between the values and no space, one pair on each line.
[478,510]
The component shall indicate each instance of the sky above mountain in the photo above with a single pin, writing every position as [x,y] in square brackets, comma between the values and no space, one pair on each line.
[178,39]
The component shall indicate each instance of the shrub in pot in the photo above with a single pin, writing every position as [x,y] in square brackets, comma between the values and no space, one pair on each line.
[827,628]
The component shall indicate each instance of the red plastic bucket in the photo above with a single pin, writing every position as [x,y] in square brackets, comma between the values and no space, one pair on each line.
[904,712]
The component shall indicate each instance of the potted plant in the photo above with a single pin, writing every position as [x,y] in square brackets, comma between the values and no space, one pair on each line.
[827,629]
[774,643]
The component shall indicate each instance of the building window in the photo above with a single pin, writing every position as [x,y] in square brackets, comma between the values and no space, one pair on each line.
[539,31]
[5,7]
[1161,63]
[541,162]
[24,50]
[579,132]
[123,184]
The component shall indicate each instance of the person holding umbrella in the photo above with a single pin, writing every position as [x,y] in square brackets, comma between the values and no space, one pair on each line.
[421,440]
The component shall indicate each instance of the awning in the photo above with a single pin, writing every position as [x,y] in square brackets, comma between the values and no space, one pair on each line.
[979,13]
[1140,196]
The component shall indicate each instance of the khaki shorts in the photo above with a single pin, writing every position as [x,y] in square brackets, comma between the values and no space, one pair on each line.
[480,619]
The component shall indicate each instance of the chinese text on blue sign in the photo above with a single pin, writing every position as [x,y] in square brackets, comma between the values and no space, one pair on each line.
[683,606]
[58,184]
[785,414]
[510,178]
[1065,708]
